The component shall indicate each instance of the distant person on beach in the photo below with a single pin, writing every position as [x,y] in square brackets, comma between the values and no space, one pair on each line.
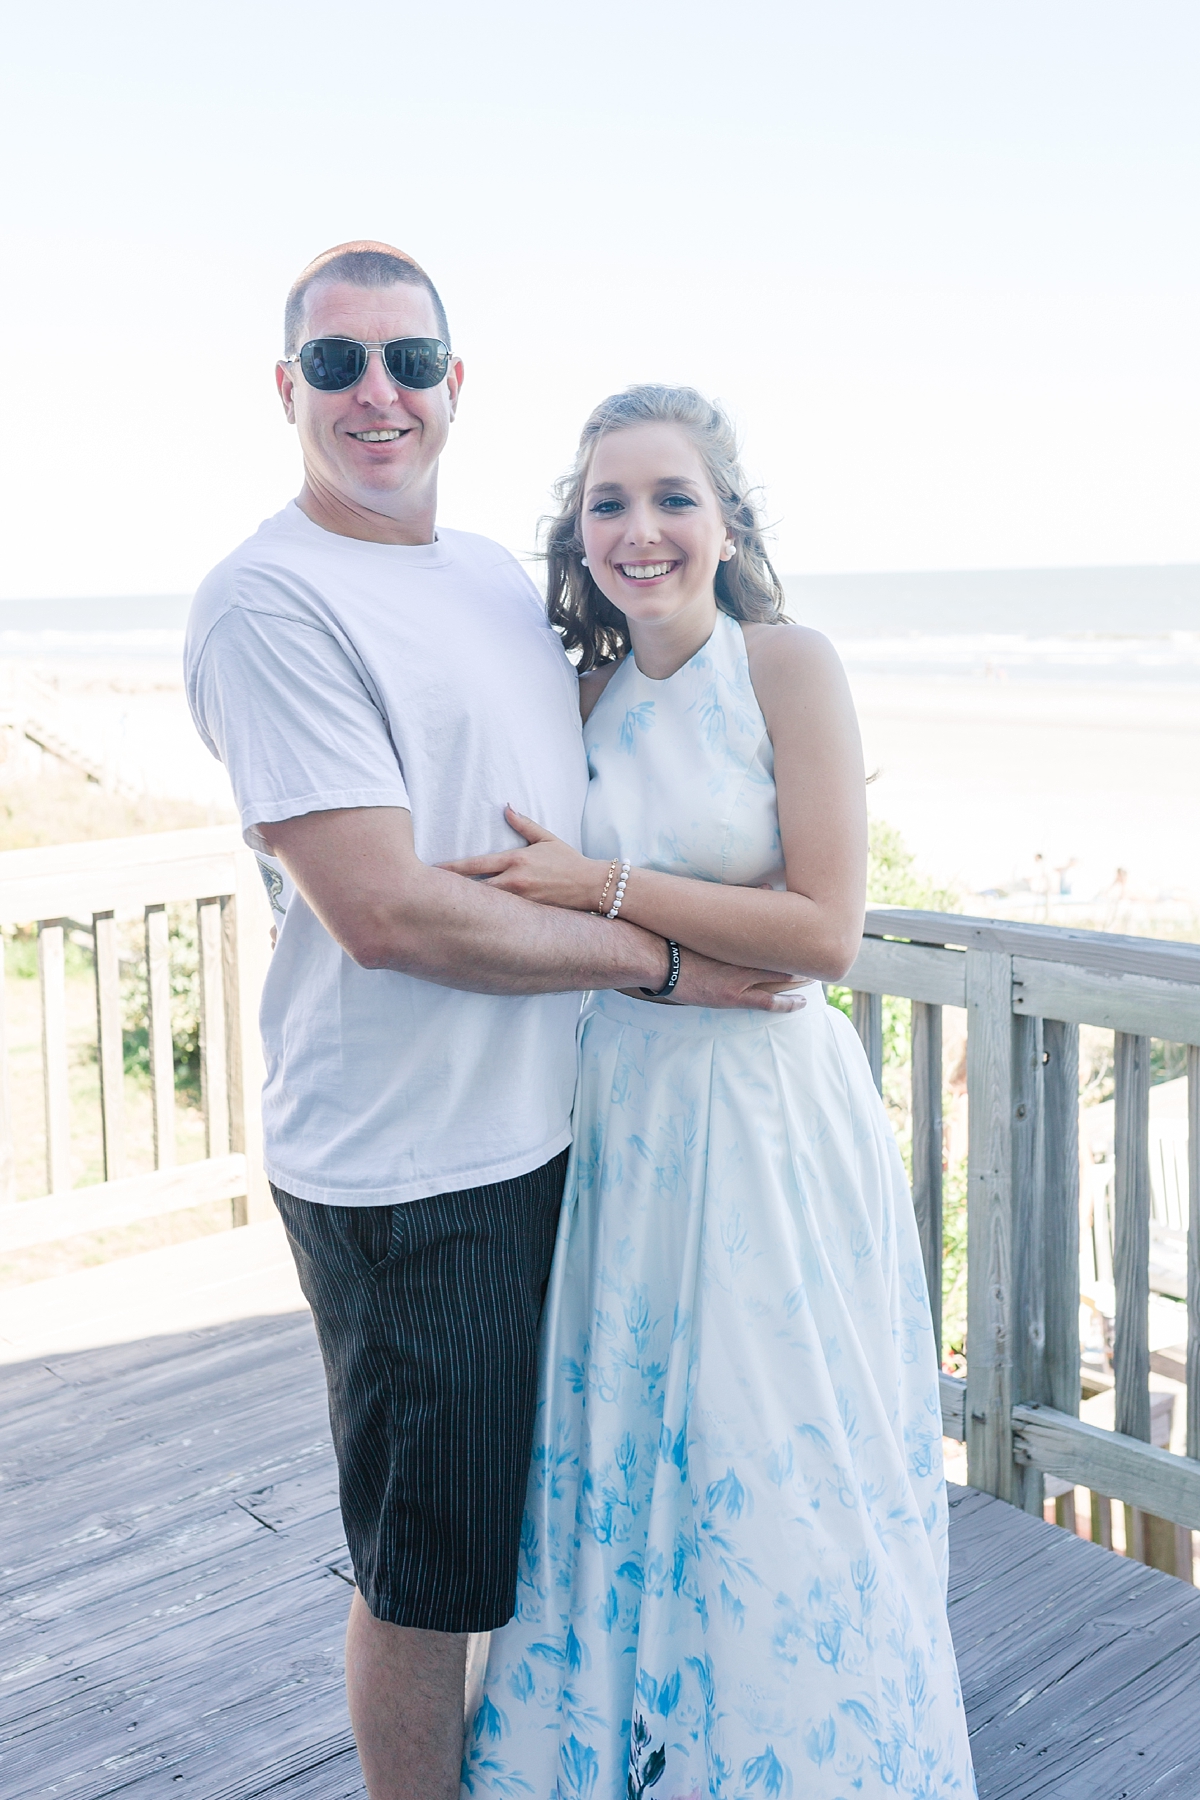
[378,689]
[734,1557]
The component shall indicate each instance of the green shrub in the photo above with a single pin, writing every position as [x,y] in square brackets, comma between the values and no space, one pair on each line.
[954,1267]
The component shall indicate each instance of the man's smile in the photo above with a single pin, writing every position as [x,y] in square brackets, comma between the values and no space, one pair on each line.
[378,437]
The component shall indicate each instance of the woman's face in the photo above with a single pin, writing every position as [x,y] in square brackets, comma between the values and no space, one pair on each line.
[651,526]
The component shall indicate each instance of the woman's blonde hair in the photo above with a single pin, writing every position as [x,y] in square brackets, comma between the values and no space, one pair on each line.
[747,587]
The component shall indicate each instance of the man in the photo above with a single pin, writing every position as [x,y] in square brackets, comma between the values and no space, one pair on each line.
[378,690]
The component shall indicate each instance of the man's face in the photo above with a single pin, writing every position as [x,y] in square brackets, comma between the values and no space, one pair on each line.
[339,433]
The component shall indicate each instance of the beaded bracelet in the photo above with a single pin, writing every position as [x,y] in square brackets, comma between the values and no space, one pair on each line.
[612,869]
[615,908]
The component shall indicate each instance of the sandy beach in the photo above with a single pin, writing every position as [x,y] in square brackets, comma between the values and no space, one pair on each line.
[988,764]
[987,751]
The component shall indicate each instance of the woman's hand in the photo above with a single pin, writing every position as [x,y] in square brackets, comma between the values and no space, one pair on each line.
[548,871]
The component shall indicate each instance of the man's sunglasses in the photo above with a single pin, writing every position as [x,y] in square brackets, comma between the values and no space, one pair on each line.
[333,364]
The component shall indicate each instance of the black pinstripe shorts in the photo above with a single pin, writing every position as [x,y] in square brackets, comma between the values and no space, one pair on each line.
[428,1315]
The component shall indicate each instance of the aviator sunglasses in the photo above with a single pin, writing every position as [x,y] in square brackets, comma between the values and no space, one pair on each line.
[333,364]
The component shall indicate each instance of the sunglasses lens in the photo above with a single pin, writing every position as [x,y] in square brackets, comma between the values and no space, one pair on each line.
[417,362]
[332,363]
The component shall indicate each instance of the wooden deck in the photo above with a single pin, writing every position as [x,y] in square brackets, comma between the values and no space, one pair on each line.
[175,1591]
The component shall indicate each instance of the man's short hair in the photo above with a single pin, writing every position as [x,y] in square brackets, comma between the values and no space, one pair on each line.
[366,265]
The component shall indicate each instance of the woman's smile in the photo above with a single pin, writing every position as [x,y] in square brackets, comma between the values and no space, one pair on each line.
[645,574]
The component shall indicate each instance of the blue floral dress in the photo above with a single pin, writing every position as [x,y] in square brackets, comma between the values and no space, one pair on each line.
[733,1566]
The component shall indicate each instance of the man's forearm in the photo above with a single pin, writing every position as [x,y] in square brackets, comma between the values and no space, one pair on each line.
[389,911]
[475,937]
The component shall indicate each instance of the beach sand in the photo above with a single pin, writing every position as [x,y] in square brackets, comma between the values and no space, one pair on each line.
[981,775]
[987,752]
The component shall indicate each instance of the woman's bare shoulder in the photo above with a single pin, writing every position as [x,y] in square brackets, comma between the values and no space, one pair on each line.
[782,655]
[593,684]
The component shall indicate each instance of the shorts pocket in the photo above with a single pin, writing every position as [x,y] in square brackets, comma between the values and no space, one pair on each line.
[373,1231]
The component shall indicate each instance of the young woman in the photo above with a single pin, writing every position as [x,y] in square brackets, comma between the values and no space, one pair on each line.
[734,1556]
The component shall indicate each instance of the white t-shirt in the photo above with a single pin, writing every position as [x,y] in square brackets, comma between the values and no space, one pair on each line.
[325,672]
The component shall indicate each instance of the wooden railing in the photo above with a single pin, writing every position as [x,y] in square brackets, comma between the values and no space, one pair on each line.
[1026,990]
[92,885]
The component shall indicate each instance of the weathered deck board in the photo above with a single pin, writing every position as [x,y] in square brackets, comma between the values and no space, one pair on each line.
[174,1595]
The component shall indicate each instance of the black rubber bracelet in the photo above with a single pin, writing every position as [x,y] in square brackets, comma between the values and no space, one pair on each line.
[676,964]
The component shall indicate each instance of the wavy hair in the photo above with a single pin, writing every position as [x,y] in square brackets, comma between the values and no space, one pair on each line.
[747,586]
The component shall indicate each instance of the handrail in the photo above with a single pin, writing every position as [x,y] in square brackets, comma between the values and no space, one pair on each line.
[1104,951]
[1027,989]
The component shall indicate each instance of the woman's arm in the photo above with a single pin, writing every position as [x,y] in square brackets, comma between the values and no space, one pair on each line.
[815,927]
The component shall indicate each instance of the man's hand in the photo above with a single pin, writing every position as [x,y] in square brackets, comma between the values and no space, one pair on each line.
[544,869]
[703,982]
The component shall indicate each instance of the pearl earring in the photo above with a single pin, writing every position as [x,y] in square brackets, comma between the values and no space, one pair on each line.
[584,563]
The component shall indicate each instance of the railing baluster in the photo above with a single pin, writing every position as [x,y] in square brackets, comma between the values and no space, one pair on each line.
[1030,1382]
[111,1043]
[1059,1081]
[1131,1236]
[246,941]
[1193,1265]
[991,1319]
[8,1154]
[162,1049]
[927,1149]
[214,1078]
[52,981]
[1185,1563]
[1060,1136]
[231,997]
[868,1022]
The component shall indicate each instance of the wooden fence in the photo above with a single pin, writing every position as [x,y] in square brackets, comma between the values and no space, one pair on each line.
[88,886]
[1026,990]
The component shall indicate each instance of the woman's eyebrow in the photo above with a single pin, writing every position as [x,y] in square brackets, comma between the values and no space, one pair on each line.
[663,481]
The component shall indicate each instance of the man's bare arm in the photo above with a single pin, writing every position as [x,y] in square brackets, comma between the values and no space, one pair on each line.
[358,870]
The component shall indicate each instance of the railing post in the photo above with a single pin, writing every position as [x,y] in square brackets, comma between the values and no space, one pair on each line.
[52,980]
[1046,1227]
[110,1041]
[867,1014]
[214,1077]
[991,1321]
[1149,1539]
[927,1150]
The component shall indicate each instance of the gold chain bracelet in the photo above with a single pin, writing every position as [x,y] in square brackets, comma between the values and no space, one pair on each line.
[612,869]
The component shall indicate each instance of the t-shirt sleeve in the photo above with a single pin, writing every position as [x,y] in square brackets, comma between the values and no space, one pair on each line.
[283,707]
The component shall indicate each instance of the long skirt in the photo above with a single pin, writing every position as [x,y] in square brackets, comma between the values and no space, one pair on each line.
[734,1557]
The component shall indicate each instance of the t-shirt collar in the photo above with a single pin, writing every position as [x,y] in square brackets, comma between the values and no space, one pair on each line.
[413,556]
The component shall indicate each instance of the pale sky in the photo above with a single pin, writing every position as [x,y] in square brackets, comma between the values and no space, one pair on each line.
[940,258]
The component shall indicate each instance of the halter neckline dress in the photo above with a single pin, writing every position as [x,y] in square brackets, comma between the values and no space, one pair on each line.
[734,1551]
